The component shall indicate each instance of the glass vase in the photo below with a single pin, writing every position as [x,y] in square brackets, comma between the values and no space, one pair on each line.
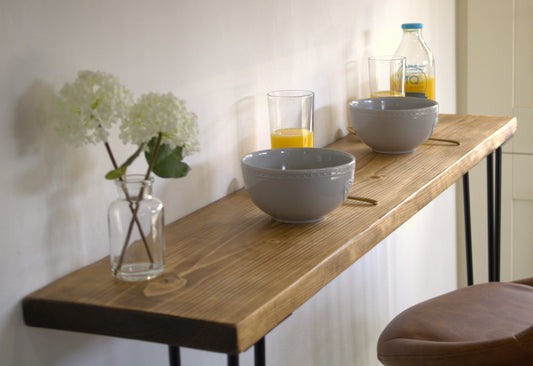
[136,231]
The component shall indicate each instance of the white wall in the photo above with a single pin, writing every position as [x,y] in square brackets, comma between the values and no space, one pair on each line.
[222,57]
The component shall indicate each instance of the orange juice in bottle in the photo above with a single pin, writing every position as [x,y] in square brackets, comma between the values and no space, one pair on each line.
[419,85]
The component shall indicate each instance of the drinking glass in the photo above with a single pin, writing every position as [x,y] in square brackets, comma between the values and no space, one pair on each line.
[291,118]
[386,76]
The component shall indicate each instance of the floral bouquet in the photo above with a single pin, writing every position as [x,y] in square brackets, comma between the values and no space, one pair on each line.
[159,124]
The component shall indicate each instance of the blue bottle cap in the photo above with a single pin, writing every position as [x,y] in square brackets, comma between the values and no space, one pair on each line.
[412,26]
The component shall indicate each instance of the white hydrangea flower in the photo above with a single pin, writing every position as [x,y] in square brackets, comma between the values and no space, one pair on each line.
[90,105]
[156,113]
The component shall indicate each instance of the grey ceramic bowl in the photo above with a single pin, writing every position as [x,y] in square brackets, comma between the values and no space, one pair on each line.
[394,125]
[298,185]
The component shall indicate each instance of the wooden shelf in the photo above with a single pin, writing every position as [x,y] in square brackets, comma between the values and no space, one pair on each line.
[233,274]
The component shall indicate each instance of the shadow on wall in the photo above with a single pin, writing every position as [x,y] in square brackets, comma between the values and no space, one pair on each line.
[45,346]
[54,163]
[240,126]
[244,111]
[39,346]
[325,118]
[52,176]
[54,173]
[356,70]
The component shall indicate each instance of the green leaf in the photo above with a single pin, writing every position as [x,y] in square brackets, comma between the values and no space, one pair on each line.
[116,173]
[168,162]
[121,171]
[132,158]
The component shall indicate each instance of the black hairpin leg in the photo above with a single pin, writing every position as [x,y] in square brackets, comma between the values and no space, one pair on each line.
[259,353]
[174,356]
[494,202]
[498,214]
[233,360]
[468,230]
[490,214]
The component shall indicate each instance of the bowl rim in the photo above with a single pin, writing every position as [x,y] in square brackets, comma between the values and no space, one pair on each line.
[431,104]
[299,171]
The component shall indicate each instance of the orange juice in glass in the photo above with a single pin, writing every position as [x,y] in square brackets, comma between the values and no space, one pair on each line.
[291,137]
[386,93]
[291,118]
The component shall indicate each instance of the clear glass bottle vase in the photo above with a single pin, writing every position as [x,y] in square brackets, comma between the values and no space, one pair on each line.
[136,231]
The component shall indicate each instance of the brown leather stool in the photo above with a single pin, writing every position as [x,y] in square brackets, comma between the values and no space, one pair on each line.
[489,324]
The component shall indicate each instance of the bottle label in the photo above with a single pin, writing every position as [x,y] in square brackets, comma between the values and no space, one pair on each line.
[416,82]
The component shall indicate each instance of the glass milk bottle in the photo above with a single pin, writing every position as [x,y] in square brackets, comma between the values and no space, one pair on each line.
[420,66]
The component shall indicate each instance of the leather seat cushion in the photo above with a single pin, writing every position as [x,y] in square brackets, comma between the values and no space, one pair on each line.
[486,324]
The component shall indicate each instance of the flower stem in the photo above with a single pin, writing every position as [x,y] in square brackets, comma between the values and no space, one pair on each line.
[154,156]
[133,211]
[141,193]
[111,156]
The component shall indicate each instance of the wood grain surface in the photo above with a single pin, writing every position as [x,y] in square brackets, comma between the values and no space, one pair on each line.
[233,274]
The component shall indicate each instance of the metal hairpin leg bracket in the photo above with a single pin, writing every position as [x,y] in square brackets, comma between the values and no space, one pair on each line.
[233,360]
[259,355]
[494,209]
